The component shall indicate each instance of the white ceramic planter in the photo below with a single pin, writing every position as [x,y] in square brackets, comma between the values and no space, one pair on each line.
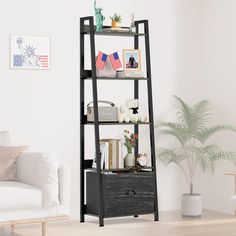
[191,205]
[129,160]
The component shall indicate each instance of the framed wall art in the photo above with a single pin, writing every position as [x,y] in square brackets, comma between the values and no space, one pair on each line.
[30,52]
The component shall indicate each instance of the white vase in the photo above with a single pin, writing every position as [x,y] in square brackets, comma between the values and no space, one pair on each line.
[191,205]
[129,160]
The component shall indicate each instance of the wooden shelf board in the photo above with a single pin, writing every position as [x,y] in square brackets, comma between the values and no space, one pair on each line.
[123,170]
[117,123]
[120,79]
[111,33]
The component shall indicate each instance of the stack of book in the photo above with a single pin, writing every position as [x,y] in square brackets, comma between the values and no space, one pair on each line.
[111,151]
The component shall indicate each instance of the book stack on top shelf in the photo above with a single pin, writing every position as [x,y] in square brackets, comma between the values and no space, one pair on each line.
[111,151]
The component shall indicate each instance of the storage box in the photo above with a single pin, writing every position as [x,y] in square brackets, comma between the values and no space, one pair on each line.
[105,113]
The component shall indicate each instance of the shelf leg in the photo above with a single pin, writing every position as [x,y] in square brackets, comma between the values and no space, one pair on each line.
[156,216]
[101,222]
[81,218]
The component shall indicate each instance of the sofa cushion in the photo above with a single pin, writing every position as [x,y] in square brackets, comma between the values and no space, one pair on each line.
[4,138]
[16,196]
[8,158]
[40,170]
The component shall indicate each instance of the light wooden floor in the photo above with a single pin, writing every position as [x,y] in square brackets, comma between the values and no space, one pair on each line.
[171,224]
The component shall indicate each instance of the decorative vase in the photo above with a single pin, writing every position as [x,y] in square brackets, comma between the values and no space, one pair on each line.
[129,160]
[191,205]
[115,24]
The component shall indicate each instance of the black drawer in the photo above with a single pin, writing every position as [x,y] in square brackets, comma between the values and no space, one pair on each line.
[128,194]
[123,194]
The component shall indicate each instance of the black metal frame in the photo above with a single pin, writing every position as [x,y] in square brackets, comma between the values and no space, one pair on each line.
[90,29]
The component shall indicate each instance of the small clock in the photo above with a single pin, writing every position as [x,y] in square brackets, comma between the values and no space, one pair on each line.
[142,159]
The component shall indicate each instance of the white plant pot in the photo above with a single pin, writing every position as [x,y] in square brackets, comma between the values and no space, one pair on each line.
[191,205]
[129,160]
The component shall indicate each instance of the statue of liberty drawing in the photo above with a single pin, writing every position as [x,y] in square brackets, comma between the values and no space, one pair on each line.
[26,56]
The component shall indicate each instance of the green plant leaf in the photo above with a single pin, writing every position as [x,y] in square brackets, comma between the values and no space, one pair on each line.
[204,133]
[168,156]
[203,156]
[175,129]
[193,117]
[209,155]
[185,111]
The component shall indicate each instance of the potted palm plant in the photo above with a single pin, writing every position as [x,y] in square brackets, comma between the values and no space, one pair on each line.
[192,131]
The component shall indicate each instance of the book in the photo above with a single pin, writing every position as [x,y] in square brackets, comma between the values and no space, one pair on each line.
[125,30]
[102,154]
[112,154]
[134,74]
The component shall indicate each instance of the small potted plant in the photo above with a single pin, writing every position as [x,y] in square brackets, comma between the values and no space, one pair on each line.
[129,142]
[115,21]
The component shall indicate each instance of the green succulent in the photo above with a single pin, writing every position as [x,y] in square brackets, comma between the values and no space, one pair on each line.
[192,132]
[116,18]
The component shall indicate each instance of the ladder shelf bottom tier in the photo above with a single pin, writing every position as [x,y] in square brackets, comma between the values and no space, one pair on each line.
[123,195]
[123,170]
[137,169]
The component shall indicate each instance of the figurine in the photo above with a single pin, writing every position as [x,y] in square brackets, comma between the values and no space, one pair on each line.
[99,17]
[129,112]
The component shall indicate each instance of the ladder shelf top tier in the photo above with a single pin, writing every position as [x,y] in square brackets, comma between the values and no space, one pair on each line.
[86,30]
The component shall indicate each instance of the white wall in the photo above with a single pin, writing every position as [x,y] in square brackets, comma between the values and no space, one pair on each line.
[205,69]
[41,108]
[217,83]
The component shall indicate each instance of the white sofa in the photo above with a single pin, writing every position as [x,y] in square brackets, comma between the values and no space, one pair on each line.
[40,195]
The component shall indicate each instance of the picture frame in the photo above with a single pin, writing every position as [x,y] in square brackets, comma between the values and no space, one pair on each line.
[132,60]
[31,52]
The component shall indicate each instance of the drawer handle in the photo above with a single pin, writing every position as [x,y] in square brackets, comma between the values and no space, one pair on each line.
[130,193]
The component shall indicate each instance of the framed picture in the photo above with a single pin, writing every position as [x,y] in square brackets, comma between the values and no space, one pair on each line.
[132,60]
[30,52]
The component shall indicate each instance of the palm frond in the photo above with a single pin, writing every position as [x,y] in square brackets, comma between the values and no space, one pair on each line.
[201,113]
[204,133]
[168,156]
[193,117]
[185,111]
[220,155]
[175,129]
[209,155]
[202,156]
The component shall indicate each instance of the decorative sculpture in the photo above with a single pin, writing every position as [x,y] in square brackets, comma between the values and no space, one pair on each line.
[99,17]
[132,28]
[129,112]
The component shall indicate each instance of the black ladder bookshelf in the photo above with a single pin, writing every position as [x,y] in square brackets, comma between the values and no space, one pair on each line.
[130,192]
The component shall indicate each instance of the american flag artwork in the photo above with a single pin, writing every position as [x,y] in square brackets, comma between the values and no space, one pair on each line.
[115,61]
[44,60]
[30,52]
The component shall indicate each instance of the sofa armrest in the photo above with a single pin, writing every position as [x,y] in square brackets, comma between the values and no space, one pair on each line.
[40,170]
[64,187]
